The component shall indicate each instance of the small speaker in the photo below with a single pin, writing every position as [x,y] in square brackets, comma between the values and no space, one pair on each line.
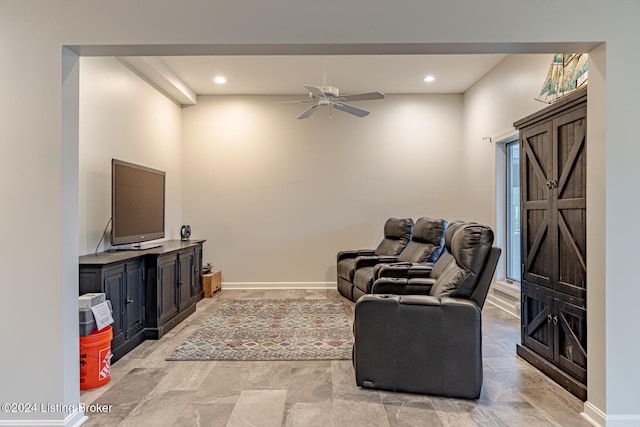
[185,232]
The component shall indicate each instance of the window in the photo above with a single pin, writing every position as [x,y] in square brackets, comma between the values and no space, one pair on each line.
[512,214]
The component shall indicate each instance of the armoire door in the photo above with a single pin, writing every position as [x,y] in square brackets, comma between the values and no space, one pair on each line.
[553,192]
[569,195]
[536,168]
[571,339]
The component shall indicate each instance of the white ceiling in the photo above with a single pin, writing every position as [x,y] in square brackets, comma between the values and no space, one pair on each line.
[286,75]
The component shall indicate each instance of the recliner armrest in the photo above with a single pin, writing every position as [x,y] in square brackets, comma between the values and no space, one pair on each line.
[399,286]
[370,261]
[406,270]
[354,253]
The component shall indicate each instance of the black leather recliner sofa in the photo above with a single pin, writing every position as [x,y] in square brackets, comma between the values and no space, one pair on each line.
[430,344]
[397,233]
[425,247]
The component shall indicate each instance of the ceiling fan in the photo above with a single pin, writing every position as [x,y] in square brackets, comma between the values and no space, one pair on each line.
[329,95]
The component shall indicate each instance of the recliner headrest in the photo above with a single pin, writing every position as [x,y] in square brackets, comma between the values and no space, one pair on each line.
[397,233]
[469,245]
[429,230]
[448,235]
[427,242]
[400,229]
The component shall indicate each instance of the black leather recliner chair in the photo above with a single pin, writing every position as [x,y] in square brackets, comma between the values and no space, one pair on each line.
[426,246]
[406,278]
[430,344]
[397,233]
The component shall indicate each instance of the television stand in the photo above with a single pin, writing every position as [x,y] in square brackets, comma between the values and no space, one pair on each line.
[150,291]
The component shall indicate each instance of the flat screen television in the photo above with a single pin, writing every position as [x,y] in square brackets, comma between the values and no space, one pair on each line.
[137,203]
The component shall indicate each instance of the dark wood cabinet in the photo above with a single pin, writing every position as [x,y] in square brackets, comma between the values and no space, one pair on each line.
[151,291]
[164,290]
[172,290]
[186,282]
[114,288]
[123,284]
[553,245]
[198,291]
[134,298]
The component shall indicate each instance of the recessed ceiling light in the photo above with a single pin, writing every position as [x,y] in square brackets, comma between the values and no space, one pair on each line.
[429,79]
[220,80]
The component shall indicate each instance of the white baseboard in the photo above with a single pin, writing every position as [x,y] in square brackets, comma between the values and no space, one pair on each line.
[279,285]
[74,419]
[506,296]
[598,418]
[594,415]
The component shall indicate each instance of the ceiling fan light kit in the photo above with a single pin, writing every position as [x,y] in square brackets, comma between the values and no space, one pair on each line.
[320,91]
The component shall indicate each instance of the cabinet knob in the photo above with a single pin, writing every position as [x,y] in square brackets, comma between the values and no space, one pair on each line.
[129,301]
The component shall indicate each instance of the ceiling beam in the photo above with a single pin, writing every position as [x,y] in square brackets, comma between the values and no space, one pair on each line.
[152,70]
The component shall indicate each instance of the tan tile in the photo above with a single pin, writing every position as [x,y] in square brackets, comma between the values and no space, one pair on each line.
[309,415]
[263,408]
[186,376]
[370,414]
[159,409]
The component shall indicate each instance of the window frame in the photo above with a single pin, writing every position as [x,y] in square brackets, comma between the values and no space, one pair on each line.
[512,221]
[500,141]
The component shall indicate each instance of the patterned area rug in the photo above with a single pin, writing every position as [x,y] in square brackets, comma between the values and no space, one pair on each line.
[271,330]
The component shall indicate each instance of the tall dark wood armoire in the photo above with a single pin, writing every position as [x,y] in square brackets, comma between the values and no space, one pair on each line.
[553,161]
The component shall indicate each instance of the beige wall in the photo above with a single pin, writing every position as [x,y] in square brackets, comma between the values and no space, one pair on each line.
[491,105]
[504,95]
[277,197]
[123,117]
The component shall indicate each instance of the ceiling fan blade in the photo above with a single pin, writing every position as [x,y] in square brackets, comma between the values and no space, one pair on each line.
[350,109]
[309,111]
[315,91]
[299,101]
[369,96]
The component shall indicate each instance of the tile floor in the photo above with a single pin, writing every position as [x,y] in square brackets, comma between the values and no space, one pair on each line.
[146,390]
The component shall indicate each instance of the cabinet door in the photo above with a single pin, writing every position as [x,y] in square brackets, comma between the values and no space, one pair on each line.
[197,270]
[167,279]
[134,298]
[186,278]
[537,320]
[571,339]
[569,195]
[535,175]
[114,280]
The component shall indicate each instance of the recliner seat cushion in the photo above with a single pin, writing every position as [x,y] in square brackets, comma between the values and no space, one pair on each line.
[363,279]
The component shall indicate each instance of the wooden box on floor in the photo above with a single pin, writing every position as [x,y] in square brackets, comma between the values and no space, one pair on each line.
[211,283]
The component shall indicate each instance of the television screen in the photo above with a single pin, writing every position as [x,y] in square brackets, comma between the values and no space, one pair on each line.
[137,203]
